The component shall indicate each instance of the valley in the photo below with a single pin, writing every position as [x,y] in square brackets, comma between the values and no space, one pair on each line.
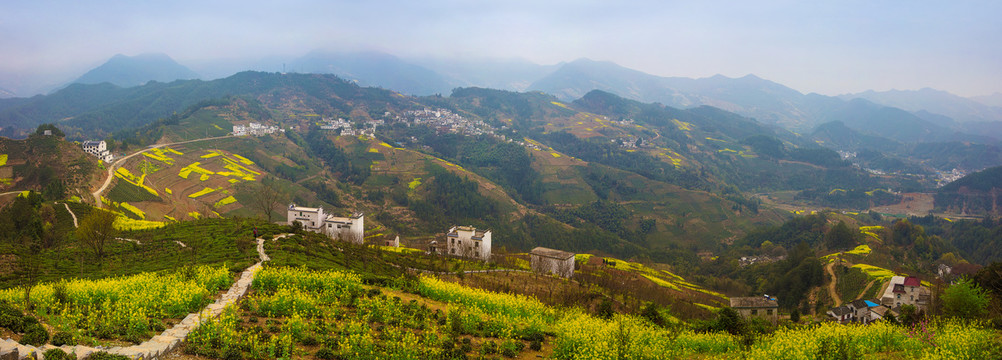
[672,214]
[331,180]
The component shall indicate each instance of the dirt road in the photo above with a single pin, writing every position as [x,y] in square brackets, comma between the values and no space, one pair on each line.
[831,285]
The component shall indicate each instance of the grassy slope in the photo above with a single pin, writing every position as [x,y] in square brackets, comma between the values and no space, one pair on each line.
[36,161]
[209,241]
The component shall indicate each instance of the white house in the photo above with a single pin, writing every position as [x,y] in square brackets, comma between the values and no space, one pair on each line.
[545,260]
[906,291]
[99,149]
[468,241]
[350,228]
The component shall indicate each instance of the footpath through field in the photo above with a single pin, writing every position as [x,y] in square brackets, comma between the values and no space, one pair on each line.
[161,344]
[831,285]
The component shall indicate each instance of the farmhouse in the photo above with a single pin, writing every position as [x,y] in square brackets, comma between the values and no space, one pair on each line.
[342,228]
[468,241]
[544,260]
[857,311]
[391,240]
[99,149]
[762,307]
[906,291]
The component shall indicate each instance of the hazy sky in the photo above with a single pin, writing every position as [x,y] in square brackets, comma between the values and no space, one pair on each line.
[833,48]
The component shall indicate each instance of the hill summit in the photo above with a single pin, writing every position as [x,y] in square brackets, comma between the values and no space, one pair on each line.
[129,71]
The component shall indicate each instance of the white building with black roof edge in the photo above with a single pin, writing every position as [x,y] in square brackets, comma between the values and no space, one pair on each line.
[469,242]
[351,229]
[98,148]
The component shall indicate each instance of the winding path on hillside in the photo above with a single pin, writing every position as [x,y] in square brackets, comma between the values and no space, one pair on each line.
[865,289]
[121,161]
[831,285]
[161,344]
[75,225]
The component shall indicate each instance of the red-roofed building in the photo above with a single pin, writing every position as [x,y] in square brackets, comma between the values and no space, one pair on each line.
[906,291]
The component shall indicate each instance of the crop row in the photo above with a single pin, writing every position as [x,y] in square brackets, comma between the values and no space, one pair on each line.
[127,308]
[294,312]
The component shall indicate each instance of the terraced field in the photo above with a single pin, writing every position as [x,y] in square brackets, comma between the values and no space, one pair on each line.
[174,183]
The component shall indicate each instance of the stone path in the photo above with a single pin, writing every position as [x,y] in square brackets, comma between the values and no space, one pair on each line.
[160,344]
[71,214]
[129,240]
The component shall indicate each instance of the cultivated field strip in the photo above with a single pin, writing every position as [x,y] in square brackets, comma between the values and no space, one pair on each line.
[159,345]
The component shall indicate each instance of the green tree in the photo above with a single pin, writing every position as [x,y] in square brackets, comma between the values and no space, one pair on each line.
[652,313]
[730,321]
[965,299]
[909,315]
[840,237]
[96,230]
[54,130]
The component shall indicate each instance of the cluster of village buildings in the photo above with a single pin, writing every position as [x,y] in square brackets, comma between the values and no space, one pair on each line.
[255,129]
[900,291]
[444,120]
[368,128]
[460,241]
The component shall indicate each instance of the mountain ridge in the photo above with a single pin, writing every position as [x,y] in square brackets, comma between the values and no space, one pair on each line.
[129,71]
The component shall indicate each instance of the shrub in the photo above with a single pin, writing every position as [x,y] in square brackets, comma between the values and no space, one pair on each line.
[57,354]
[325,354]
[11,321]
[62,338]
[489,347]
[232,354]
[651,313]
[309,340]
[536,345]
[35,335]
[604,309]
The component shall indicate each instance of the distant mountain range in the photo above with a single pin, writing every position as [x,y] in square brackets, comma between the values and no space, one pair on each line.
[129,71]
[958,108]
[990,100]
[925,115]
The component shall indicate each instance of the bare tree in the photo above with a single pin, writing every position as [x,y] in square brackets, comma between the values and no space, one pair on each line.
[96,230]
[267,197]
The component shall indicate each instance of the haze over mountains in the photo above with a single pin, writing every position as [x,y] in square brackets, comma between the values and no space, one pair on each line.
[903,116]
[129,71]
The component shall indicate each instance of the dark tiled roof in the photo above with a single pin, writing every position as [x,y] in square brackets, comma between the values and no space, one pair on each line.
[753,302]
[841,310]
[898,288]
[551,253]
[859,304]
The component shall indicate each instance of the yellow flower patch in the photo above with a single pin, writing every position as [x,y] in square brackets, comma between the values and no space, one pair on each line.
[204,191]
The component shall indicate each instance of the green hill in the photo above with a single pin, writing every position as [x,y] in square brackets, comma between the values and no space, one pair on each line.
[975,194]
